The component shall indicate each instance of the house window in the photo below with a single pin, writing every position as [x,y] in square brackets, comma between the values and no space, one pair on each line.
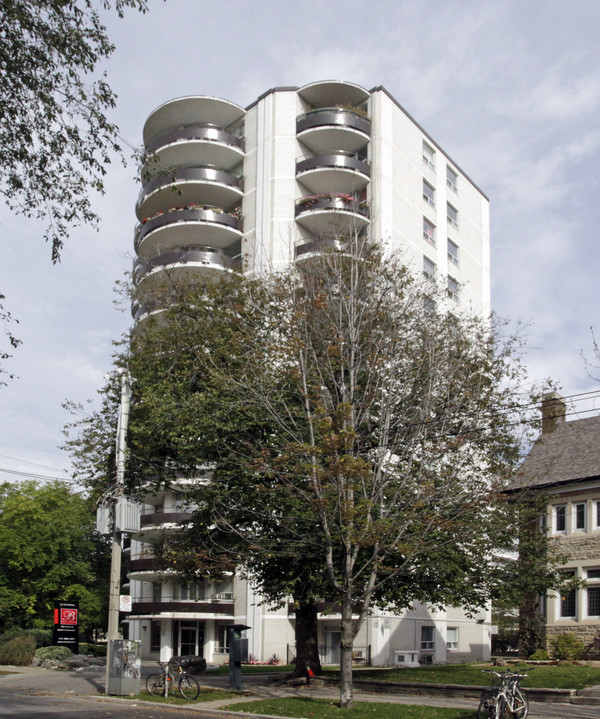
[597,515]
[428,268]
[428,231]
[428,193]
[452,288]
[427,638]
[560,518]
[568,601]
[157,592]
[428,155]
[452,215]
[453,252]
[154,636]
[451,178]
[452,638]
[593,592]
[222,639]
[580,515]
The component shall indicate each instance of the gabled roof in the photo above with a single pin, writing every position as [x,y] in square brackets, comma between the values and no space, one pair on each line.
[571,453]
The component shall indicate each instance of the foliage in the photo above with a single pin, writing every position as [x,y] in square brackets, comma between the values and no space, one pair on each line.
[55,137]
[52,653]
[49,551]
[96,650]
[565,646]
[18,651]
[540,655]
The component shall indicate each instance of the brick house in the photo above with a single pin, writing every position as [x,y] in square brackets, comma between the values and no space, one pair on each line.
[564,464]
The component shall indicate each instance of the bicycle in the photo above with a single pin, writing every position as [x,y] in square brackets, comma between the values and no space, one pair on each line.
[507,701]
[161,684]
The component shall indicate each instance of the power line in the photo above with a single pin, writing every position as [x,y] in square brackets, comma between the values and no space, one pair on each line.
[37,476]
[33,464]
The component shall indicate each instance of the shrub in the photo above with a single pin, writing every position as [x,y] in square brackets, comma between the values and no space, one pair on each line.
[18,651]
[43,637]
[540,655]
[52,653]
[96,650]
[565,646]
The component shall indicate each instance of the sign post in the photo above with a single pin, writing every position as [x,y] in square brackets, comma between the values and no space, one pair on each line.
[65,632]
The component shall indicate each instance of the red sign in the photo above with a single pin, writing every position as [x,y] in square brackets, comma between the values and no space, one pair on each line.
[68,616]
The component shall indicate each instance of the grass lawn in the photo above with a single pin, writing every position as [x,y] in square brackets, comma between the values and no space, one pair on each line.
[255,669]
[560,676]
[325,709]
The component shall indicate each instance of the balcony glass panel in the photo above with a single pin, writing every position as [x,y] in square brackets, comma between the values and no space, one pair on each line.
[333,116]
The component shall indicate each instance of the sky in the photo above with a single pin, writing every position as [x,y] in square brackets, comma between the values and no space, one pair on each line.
[510,89]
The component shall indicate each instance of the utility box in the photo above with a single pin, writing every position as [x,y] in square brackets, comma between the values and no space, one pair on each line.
[238,653]
[123,514]
[125,672]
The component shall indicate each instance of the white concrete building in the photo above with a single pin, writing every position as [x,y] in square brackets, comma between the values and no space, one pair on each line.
[254,189]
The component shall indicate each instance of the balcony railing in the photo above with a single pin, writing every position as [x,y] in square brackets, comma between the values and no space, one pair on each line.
[332,201]
[187,213]
[209,256]
[328,116]
[199,607]
[163,518]
[339,160]
[200,131]
[189,174]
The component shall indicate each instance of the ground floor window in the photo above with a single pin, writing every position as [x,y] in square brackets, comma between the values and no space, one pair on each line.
[452,638]
[155,636]
[593,600]
[427,638]
[568,601]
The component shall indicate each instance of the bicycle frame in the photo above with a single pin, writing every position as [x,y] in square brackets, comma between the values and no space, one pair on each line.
[505,700]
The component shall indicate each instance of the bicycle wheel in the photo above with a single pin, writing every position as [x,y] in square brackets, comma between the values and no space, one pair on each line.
[188,687]
[486,709]
[520,705]
[155,684]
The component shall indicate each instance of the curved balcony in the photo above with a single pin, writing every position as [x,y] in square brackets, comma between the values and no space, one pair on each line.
[198,144]
[187,225]
[333,128]
[333,92]
[187,264]
[183,610]
[189,185]
[145,570]
[342,172]
[332,213]
[189,110]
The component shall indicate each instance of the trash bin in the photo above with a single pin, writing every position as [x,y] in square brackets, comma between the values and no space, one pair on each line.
[125,672]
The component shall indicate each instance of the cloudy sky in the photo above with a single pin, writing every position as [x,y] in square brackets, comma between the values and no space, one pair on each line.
[510,89]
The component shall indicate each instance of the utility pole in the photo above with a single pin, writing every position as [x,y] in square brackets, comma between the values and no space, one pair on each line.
[115,564]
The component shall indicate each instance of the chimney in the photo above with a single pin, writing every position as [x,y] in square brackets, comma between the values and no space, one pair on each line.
[554,411]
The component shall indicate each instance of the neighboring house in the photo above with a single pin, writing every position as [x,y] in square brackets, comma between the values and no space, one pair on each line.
[256,188]
[564,464]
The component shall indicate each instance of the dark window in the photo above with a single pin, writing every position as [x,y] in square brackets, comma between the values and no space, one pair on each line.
[593,573]
[593,598]
[561,518]
[580,516]
[568,604]
[427,638]
[155,636]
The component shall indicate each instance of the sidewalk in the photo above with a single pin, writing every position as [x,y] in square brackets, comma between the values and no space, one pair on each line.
[90,682]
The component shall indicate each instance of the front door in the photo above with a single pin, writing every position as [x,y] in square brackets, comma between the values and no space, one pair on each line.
[191,638]
[332,647]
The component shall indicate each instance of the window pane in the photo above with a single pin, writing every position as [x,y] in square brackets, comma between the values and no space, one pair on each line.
[429,231]
[452,638]
[580,516]
[560,515]
[451,179]
[428,268]
[453,252]
[428,155]
[452,288]
[593,594]
[452,215]
[593,573]
[427,638]
[568,604]
[428,193]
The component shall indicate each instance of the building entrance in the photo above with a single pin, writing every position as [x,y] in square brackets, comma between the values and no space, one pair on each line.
[191,638]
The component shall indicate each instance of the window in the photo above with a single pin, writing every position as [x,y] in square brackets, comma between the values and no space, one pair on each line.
[568,601]
[593,592]
[222,639]
[451,178]
[580,516]
[428,231]
[427,638]
[452,638]
[453,252]
[428,155]
[428,193]
[452,215]
[452,288]
[157,592]
[597,515]
[428,268]
[154,636]
[560,518]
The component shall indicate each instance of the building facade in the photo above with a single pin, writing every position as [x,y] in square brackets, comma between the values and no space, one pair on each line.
[564,465]
[226,188]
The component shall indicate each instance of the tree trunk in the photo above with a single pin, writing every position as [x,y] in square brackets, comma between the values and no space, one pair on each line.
[307,640]
[347,641]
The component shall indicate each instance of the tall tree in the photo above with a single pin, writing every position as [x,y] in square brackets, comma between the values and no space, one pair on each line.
[56,137]
[49,551]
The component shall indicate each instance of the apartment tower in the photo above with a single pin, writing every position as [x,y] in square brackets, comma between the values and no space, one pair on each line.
[227,188]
